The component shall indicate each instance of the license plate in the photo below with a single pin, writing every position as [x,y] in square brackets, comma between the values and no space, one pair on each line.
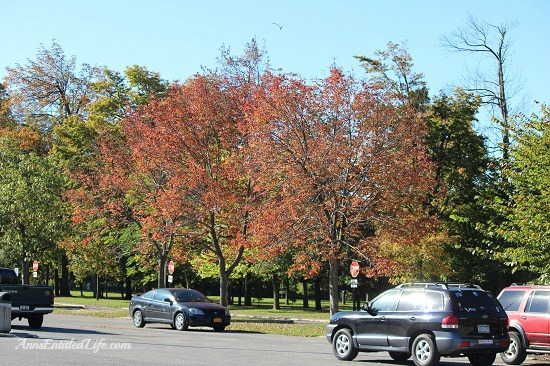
[217,320]
[483,329]
[485,341]
[24,307]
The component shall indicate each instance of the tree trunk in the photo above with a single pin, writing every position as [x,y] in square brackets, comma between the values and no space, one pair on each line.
[223,284]
[65,284]
[97,287]
[247,291]
[162,271]
[287,291]
[318,306]
[276,292]
[240,291]
[305,299]
[128,288]
[56,280]
[333,285]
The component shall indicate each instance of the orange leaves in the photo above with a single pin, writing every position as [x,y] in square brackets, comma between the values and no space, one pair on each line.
[335,155]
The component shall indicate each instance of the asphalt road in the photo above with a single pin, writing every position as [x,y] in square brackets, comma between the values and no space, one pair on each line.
[85,341]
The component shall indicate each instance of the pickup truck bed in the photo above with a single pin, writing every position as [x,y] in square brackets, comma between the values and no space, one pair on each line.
[27,301]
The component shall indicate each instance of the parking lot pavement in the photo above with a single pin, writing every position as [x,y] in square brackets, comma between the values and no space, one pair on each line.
[86,341]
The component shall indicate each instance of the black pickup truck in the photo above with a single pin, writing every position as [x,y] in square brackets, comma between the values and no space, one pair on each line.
[27,301]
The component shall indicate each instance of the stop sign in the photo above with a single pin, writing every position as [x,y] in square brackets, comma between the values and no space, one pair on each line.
[171,267]
[354,269]
[35,266]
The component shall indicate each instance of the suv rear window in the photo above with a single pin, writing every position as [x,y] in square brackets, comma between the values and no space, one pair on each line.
[511,300]
[538,302]
[471,302]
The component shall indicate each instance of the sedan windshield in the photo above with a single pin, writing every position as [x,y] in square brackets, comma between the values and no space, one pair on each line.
[189,296]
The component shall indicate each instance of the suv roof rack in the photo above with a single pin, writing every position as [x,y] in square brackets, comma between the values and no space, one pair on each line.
[443,285]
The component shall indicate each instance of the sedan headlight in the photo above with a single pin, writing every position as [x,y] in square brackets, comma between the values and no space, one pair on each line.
[196,311]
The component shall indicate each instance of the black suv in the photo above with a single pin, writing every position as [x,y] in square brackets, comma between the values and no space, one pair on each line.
[427,321]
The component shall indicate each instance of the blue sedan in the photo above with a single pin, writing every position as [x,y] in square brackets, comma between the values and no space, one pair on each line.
[181,308]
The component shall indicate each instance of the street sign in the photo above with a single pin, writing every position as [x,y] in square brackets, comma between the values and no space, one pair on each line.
[170,279]
[353,283]
[354,269]
[35,266]
[171,267]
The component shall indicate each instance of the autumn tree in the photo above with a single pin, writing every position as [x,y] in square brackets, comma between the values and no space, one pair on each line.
[77,147]
[339,158]
[177,173]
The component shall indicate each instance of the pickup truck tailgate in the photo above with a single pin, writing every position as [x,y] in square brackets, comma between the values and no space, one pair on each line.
[30,298]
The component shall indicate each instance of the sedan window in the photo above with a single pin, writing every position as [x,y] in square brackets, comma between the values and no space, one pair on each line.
[148,295]
[189,296]
[161,295]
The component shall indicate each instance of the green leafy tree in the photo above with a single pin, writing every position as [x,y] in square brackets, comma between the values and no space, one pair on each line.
[528,214]
[392,71]
[32,213]
[50,88]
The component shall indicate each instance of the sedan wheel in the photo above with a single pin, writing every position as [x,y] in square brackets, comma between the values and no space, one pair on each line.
[138,319]
[179,322]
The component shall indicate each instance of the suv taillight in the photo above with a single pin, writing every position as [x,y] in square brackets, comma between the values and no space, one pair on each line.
[450,322]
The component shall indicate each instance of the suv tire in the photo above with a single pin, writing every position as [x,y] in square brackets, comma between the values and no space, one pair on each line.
[516,353]
[342,345]
[424,351]
[482,359]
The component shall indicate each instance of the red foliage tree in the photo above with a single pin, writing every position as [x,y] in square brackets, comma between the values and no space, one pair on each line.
[342,163]
[177,171]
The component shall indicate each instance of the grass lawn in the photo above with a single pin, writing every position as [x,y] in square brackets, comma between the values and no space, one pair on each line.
[115,307]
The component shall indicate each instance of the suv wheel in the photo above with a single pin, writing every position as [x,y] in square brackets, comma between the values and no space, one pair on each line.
[516,353]
[342,345]
[424,351]
[482,359]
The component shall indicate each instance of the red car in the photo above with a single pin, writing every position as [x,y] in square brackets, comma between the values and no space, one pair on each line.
[528,308]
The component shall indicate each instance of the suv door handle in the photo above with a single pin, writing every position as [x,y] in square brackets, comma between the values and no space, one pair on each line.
[412,318]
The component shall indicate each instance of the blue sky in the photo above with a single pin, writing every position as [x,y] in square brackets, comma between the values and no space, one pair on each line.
[176,38]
